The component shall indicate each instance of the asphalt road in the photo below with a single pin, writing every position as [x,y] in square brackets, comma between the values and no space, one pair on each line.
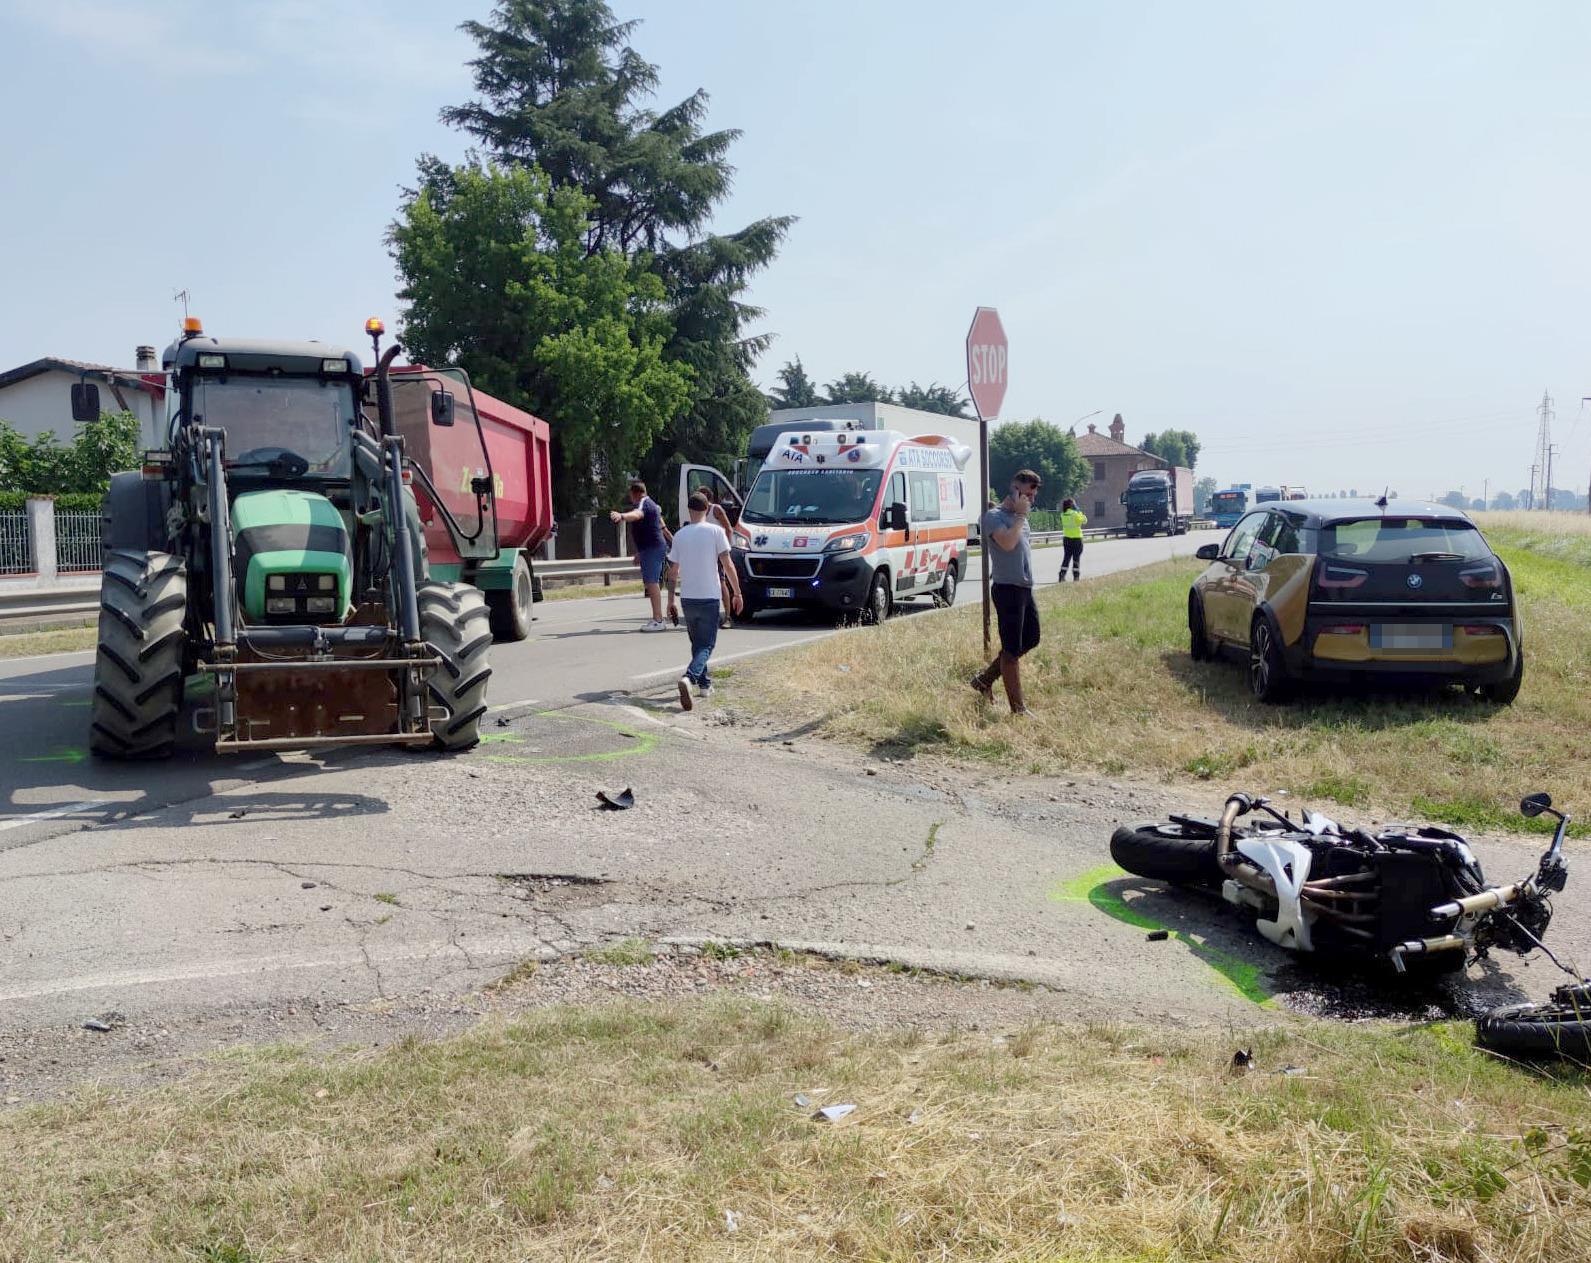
[375,876]
[581,650]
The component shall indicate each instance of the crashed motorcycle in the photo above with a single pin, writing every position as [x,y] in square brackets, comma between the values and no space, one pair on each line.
[1413,898]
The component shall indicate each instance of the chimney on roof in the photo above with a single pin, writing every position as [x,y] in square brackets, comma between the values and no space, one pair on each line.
[1092,428]
[1118,429]
[144,360]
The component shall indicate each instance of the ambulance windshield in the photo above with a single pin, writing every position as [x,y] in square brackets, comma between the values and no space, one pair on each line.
[792,496]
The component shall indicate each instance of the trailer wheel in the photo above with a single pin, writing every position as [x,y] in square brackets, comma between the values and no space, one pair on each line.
[511,611]
[1167,852]
[143,600]
[455,622]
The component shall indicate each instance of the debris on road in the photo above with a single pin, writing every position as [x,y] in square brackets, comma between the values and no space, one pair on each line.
[832,1113]
[106,1022]
[1242,1060]
[731,1221]
[238,814]
[802,1100]
[306,885]
[1158,936]
[621,801]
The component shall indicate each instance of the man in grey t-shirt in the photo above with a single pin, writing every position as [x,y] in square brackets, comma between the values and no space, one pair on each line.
[1008,552]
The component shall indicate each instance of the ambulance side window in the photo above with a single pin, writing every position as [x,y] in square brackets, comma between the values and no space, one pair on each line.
[925,497]
[897,491]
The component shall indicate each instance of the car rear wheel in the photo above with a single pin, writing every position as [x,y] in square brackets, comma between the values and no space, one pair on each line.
[946,596]
[1199,647]
[1267,673]
[1503,692]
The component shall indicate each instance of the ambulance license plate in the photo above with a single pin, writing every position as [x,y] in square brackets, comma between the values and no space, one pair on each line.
[781,592]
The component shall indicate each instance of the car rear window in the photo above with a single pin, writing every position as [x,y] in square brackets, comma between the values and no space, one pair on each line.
[1401,539]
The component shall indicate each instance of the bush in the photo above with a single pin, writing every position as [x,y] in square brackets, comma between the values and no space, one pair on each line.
[88,501]
[43,467]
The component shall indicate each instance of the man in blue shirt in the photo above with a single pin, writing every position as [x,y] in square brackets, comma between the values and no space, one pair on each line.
[651,548]
[1008,552]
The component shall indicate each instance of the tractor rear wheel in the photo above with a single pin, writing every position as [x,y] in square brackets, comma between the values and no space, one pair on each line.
[455,622]
[143,600]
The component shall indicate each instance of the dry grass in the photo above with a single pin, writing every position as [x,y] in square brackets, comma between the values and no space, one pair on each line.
[1116,693]
[663,1133]
[48,640]
[581,591]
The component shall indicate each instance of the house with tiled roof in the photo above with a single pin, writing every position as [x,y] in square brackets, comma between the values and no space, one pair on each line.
[1111,462]
[36,397]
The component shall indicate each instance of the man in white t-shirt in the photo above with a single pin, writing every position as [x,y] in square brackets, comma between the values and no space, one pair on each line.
[698,555]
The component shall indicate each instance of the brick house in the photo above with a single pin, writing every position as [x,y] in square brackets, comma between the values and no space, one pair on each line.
[1112,461]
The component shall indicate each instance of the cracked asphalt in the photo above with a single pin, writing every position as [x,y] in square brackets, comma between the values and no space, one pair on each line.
[391,879]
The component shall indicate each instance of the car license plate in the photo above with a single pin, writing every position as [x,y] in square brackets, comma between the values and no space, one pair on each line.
[1411,636]
[781,592]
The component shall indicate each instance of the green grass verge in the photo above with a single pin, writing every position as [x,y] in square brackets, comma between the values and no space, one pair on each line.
[1115,693]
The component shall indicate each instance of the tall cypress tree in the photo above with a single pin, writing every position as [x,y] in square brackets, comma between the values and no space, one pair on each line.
[560,88]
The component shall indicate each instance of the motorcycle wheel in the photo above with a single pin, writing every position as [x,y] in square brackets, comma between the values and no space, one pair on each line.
[1559,1028]
[1166,852]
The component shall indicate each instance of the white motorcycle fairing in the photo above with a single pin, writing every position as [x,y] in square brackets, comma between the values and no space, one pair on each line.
[1288,866]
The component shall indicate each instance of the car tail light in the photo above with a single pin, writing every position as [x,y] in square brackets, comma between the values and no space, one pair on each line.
[1343,629]
[1480,629]
[1489,575]
[1333,576]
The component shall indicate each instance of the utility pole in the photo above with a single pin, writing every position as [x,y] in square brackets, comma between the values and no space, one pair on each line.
[1486,494]
[1543,455]
[1552,449]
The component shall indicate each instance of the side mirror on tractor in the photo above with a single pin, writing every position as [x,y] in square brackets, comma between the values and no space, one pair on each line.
[441,408]
[85,401]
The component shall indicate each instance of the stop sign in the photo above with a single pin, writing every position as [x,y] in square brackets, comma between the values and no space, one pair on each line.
[986,362]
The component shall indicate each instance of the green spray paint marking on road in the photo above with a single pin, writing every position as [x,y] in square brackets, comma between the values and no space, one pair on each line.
[1093,887]
[645,742]
[495,738]
[71,754]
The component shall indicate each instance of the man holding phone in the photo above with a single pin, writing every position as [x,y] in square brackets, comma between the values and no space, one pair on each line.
[1008,553]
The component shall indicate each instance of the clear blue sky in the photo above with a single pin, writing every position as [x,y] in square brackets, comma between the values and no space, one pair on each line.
[1347,244]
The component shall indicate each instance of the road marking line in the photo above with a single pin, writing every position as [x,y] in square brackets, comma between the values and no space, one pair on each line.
[50,813]
[731,657]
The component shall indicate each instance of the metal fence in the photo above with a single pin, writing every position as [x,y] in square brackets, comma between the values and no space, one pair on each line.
[16,553]
[77,546]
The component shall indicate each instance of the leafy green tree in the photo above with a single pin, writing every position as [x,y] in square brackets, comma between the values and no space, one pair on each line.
[1176,447]
[795,388]
[933,398]
[498,277]
[1455,500]
[1504,500]
[560,88]
[1203,489]
[857,388]
[41,466]
[1046,449]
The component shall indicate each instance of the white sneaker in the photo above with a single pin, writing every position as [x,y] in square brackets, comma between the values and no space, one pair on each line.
[685,702]
[654,624]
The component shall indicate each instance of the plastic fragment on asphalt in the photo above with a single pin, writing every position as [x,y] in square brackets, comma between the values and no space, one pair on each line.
[621,801]
[832,1113]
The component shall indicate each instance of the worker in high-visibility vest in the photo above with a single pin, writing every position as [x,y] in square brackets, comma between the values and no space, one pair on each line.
[1072,523]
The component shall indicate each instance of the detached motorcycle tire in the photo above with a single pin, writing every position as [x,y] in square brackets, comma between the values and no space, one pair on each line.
[1166,852]
[1559,1028]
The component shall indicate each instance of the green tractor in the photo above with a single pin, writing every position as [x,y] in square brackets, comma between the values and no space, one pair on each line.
[275,547]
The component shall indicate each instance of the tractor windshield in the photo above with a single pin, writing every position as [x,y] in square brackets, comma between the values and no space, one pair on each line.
[267,417]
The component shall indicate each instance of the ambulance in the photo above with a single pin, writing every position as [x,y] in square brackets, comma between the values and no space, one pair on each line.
[853,521]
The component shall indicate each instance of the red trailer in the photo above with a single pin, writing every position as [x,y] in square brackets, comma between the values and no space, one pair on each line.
[518,446]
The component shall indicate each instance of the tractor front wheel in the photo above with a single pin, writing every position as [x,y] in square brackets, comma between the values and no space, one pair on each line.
[456,624]
[143,600]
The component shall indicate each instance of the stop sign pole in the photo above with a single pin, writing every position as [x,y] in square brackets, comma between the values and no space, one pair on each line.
[986,374]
